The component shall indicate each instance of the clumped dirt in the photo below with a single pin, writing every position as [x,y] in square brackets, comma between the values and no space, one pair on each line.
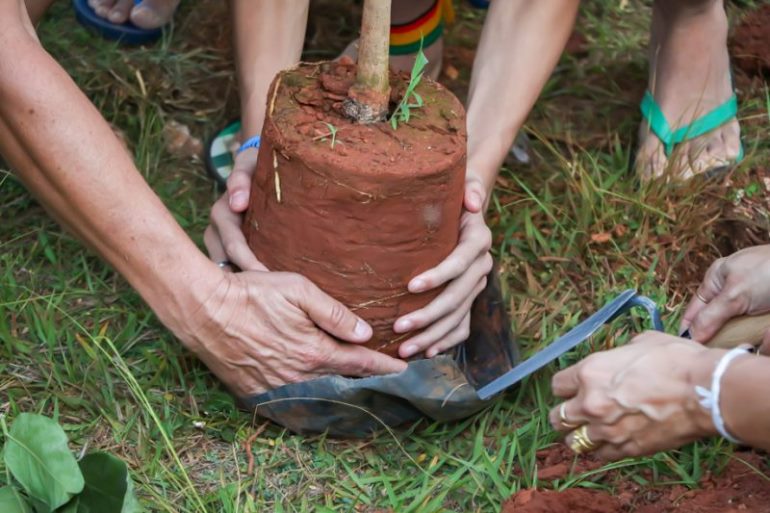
[358,209]
[750,44]
[739,488]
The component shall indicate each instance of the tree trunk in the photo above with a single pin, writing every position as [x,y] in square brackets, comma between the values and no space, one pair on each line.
[368,98]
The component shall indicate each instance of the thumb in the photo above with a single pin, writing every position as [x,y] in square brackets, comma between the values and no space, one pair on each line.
[475,195]
[713,316]
[330,315]
[349,360]
[239,181]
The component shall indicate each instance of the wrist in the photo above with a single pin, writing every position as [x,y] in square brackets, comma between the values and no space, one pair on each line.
[179,296]
[700,374]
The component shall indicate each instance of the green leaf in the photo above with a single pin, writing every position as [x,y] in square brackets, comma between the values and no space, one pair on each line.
[73,506]
[419,62]
[106,483]
[37,455]
[130,504]
[12,502]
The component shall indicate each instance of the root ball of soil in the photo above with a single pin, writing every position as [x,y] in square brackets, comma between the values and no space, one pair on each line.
[358,209]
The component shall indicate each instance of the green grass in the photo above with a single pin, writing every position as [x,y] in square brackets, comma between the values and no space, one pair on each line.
[77,343]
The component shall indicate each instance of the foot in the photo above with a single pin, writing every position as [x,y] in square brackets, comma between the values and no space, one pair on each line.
[689,76]
[149,14]
[434,53]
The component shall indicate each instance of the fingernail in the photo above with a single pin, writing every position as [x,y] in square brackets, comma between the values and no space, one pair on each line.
[409,350]
[417,285]
[362,330]
[403,325]
[238,200]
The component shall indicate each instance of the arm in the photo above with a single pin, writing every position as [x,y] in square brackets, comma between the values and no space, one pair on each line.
[520,45]
[254,330]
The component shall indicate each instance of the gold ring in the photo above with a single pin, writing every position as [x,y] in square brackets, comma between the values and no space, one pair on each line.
[698,295]
[563,417]
[581,443]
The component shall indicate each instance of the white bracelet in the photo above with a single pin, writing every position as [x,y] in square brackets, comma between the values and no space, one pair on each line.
[709,399]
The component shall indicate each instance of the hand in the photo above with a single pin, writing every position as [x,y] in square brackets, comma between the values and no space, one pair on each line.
[465,270]
[736,285]
[640,398]
[260,330]
[223,237]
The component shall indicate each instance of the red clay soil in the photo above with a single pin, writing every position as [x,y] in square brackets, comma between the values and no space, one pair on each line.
[738,488]
[358,209]
[750,44]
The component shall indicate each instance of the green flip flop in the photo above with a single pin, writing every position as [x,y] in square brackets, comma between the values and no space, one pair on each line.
[653,114]
[219,157]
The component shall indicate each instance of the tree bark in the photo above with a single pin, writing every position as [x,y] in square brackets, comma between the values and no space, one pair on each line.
[368,98]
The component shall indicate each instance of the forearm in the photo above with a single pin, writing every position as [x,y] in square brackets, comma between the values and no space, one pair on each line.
[744,401]
[268,38]
[67,155]
[520,45]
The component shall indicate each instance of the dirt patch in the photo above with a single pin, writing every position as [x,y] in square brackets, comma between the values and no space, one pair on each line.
[743,486]
[750,44]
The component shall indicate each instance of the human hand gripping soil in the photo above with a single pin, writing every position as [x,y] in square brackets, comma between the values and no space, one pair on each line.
[465,269]
[637,399]
[735,285]
[259,330]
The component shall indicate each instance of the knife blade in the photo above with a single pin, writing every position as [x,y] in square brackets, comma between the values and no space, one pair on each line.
[621,304]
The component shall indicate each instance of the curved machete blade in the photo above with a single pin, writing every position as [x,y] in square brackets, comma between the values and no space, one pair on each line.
[621,304]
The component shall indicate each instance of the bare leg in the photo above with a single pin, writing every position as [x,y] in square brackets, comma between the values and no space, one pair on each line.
[689,76]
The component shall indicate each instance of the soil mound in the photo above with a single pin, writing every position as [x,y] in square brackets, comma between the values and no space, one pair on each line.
[750,48]
[743,486]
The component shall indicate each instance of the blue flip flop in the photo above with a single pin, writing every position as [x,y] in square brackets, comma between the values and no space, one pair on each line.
[126,33]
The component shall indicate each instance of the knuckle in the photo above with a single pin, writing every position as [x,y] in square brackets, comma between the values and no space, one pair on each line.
[597,406]
[488,262]
[337,314]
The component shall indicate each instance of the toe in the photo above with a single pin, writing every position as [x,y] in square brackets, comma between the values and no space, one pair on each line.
[119,12]
[152,14]
[101,7]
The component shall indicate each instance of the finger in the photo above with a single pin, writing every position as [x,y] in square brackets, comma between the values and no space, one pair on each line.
[439,329]
[708,289]
[475,194]
[213,244]
[713,316]
[227,229]
[475,240]
[329,314]
[450,299]
[764,348]
[570,416]
[591,438]
[348,360]
[457,336]
[609,452]
[239,181]
[566,383]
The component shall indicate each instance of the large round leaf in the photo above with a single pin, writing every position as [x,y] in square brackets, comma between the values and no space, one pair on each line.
[12,502]
[37,455]
[106,483]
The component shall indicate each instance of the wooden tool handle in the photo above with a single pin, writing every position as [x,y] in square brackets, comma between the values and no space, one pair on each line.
[748,329]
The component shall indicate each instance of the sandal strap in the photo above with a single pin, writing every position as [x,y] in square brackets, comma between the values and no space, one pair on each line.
[658,123]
